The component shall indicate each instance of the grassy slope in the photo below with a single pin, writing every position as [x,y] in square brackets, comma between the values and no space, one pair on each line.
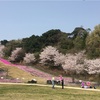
[49,70]
[15,72]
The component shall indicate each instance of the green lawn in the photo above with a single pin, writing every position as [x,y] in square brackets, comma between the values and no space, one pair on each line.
[31,92]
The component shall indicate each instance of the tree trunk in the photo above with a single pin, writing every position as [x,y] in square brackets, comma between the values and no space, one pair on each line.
[73,79]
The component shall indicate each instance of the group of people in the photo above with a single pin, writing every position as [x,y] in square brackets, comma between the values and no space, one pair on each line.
[87,85]
[61,80]
[83,84]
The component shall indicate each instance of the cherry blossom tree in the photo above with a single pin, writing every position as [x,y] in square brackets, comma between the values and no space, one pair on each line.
[74,64]
[79,64]
[29,58]
[93,67]
[59,59]
[17,55]
[51,56]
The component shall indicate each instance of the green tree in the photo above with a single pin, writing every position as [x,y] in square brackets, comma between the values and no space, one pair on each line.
[79,38]
[32,44]
[78,43]
[4,42]
[65,45]
[93,43]
[51,37]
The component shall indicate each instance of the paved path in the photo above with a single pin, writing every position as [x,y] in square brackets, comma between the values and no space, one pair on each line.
[98,90]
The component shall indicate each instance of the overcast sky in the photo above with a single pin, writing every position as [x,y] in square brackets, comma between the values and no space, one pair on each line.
[23,18]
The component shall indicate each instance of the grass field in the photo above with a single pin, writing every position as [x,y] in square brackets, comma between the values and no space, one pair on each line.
[32,92]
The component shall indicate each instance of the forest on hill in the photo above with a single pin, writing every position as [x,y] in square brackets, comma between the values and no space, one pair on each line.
[80,39]
[77,52]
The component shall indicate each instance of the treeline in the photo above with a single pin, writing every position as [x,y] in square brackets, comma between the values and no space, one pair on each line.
[80,39]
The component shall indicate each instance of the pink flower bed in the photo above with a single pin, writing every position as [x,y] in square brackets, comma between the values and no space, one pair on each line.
[10,80]
[31,70]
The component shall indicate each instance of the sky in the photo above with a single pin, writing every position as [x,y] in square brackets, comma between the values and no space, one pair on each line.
[24,18]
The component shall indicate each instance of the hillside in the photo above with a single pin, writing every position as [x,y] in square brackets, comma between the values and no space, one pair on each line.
[24,73]
[13,73]
[21,73]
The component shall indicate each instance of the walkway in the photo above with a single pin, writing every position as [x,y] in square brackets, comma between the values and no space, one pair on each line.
[56,86]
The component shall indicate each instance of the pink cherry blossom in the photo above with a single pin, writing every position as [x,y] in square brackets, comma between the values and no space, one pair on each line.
[29,58]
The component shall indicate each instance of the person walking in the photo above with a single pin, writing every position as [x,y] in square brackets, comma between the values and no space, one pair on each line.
[62,81]
[53,82]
